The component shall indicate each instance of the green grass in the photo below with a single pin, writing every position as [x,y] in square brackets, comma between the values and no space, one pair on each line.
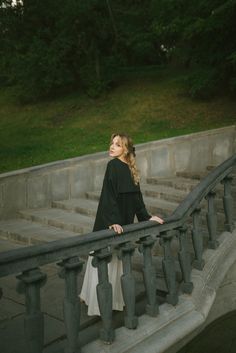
[147,105]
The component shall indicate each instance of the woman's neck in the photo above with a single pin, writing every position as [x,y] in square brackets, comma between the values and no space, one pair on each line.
[123,159]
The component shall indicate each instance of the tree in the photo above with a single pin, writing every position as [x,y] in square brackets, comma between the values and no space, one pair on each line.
[47,46]
[201,36]
[52,44]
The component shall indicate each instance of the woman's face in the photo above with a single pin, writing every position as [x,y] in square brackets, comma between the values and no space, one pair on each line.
[116,148]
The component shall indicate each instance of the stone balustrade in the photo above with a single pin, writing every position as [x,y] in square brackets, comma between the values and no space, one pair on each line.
[29,262]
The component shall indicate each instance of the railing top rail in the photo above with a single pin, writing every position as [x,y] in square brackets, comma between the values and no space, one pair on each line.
[18,260]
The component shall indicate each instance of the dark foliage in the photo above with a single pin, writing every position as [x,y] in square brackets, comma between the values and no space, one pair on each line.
[49,46]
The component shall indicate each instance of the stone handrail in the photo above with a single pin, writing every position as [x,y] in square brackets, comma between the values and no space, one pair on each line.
[27,261]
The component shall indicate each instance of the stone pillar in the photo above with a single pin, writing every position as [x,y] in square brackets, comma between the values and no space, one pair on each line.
[69,271]
[198,262]
[126,251]
[104,293]
[228,203]
[168,264]
[30,283]
[149,275]
[184,260]
[212,221]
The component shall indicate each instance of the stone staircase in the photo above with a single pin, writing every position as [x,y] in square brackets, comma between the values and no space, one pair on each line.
[72,217]
[76,216]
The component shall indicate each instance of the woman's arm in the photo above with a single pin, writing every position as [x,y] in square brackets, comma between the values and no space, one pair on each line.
[142,213]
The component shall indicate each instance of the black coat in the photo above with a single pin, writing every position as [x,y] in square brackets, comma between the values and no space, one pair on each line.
[120,198]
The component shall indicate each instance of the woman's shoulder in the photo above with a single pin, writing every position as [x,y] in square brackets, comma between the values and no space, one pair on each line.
[116,162]
[111,164]
[111,167]
[116,168]
[120,171]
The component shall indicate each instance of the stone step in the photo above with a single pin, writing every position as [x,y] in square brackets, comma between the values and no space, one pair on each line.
[163,192]
[29,233]
[71,221]
[159,207]
[185,184]
[93,195]
[202,174]
[89,207]
[154,205]
[192,175]
[177,195]
[151,190]
[175,182]
[79,205]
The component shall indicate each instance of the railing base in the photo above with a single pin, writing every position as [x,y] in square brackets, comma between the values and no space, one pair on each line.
[213,244]
[188,287]
[172,299]
[131,323]
[152,310]
[198,264]
[229,227]
[107,336]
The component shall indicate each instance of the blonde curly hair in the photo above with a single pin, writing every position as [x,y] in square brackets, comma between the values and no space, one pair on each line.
[129,149]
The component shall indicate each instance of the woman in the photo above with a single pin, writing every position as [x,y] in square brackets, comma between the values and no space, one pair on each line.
[120,200]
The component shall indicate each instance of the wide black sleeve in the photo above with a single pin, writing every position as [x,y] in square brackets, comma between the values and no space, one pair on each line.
[141,211]
[108,211]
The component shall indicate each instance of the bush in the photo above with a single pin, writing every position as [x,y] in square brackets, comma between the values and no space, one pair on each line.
[203,83]
[232,86]
[96,79]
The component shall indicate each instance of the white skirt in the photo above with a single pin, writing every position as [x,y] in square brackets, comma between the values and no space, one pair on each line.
[88,292]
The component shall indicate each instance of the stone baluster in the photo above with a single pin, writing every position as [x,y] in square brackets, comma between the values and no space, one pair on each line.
[126,251]
[168,264]
[211,221]
[71,306]
[228,203]
[198,262]
[184,260]
[30,283]
[149,275]
[104,293]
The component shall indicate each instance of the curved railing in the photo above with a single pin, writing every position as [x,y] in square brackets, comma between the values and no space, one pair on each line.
[26,262]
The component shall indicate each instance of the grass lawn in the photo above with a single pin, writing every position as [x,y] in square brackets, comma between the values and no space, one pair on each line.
[147,105]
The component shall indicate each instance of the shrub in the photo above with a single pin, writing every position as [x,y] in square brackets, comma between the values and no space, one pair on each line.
[203,83]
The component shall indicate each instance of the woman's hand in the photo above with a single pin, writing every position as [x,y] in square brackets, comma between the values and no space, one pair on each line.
[117,228]
[156,219]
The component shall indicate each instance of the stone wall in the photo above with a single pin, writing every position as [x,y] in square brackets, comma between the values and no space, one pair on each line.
[38,186]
